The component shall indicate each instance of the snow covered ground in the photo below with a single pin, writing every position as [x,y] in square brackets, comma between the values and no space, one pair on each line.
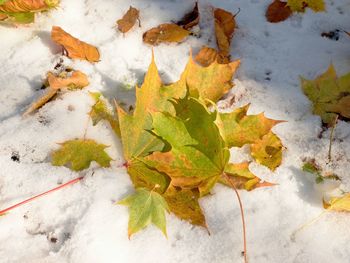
[81,223]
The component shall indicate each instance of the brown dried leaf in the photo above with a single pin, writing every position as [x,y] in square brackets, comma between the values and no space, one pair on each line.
[190,19]
[206,56]
[76,80]
[277,11]
[48,95]
[75,48]
[165,33]
[128,20]
[224,28]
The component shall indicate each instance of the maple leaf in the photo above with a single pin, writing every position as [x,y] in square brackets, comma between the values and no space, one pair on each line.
[241,177]
[210,82]
[100,111]
[278,11]
[74,47]
[300,5]
[190,19]
[128,20]
[330,95]
[80,154]
[238,129]
[198,154]
[224,28]
[165,33]
[145,207]
[136,139]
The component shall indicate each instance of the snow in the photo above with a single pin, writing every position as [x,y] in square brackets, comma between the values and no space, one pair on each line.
[81,223]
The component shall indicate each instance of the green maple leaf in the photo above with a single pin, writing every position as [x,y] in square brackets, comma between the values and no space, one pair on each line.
[198,153]
[145,207]
[80,154]
[329,94]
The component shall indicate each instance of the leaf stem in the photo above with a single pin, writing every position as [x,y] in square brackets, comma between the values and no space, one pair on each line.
[331,138]
[242,216]
[4,211]
[307,224]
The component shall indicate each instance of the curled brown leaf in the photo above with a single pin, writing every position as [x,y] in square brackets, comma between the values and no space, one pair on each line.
[74,47]
[278,11]
[165,33]
[191,19]
[128,20]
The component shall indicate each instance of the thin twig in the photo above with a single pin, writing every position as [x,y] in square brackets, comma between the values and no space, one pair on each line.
[331,138]
[307,224]
[242,216]
[4,211]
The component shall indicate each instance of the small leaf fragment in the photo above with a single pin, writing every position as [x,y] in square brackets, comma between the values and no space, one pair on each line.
[184,204]
[25,6]
[224,28]
[80,153]
[278,11]
[241,177]
[300,5]
[268,151]
[46,97]
[100,111]
[145,207]
[75,48]
[191,19]
[128,20]
[206,56]
[165,33]
[339,204]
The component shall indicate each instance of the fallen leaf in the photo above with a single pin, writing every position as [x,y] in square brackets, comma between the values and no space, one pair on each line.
[268,151]
[329,95]
[300,5]
[73,80]
[241,177]
[74,47]
[80,153]
[100,111]
[165,33]
[239,129]
[184,204]
[278,11]
[211,82]
[197,155]
[190,19]
[145,207]
[224,28]
[206,56]
[46,97]
[339,204]
[128,20]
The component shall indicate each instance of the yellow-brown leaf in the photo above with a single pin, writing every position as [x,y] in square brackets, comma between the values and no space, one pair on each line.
[224,28]
[76,80]
[206,56]
[74,47]
[165,33]
[128,20]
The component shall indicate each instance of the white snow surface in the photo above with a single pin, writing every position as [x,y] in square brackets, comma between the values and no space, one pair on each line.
[84,219]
